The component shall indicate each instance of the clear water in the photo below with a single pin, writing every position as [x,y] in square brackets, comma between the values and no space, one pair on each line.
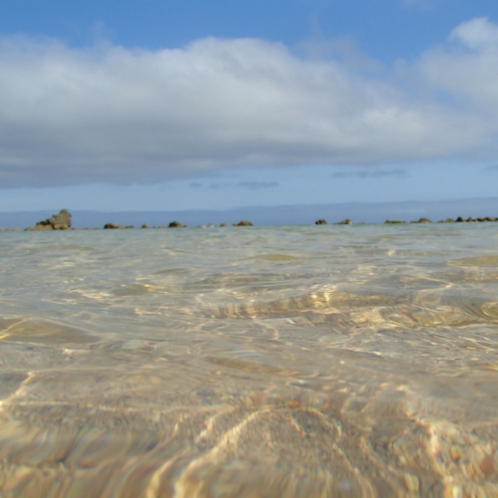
[292,361]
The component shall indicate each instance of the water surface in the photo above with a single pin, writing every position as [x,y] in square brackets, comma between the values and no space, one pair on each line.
[292,361]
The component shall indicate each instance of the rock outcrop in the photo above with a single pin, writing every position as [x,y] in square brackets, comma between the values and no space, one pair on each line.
[394,222]
[39,227]
[243,223]
[61,221]
[347,221]
[175,224]
[320,222]
[422,220]
[112,226]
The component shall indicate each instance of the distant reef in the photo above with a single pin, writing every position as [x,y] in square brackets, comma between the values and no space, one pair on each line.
[62,221]
[470,219]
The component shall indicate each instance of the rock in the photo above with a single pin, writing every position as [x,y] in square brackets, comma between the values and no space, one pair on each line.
[223,225]
[320,222]
[449,220]
[175,224]
[112,226]
[394,222]
[243,223]
[347,221]
[145,226]
[459,220]
[39,227]
[469,219]
[61,221]
[129,227]
[424,220]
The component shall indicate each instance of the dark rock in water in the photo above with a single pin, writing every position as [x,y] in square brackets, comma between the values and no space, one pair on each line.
[424,220]
[145,226]
[243,223]
[223,225]
[449,220]
[459,219]
[175,224]
[320,222]
[112,226]
[489,218]
[347,221]
[129,226]
[394,222]
[61,221]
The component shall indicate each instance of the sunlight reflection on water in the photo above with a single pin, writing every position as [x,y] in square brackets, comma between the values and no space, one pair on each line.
[305,361]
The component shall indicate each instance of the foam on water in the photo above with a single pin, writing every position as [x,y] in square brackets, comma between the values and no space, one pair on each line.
[296,361]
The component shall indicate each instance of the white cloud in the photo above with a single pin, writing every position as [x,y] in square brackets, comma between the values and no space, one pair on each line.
[468,71]
[478,33]
[108,113]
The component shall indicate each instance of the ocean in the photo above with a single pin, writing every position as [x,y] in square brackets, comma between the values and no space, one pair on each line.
[299,361]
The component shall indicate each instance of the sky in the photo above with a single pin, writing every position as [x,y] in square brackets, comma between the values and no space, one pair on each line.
[165,105]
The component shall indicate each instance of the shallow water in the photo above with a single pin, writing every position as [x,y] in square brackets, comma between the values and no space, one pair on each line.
[292,361]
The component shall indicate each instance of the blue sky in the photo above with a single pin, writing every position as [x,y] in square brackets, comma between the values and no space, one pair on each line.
[188,105]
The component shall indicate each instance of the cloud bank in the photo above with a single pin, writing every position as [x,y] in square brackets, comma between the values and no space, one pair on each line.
[108,113]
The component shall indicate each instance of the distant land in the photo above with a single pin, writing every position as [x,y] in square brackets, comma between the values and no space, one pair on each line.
[270,215]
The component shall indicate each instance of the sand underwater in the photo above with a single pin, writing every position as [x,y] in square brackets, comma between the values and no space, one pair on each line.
[250,362]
